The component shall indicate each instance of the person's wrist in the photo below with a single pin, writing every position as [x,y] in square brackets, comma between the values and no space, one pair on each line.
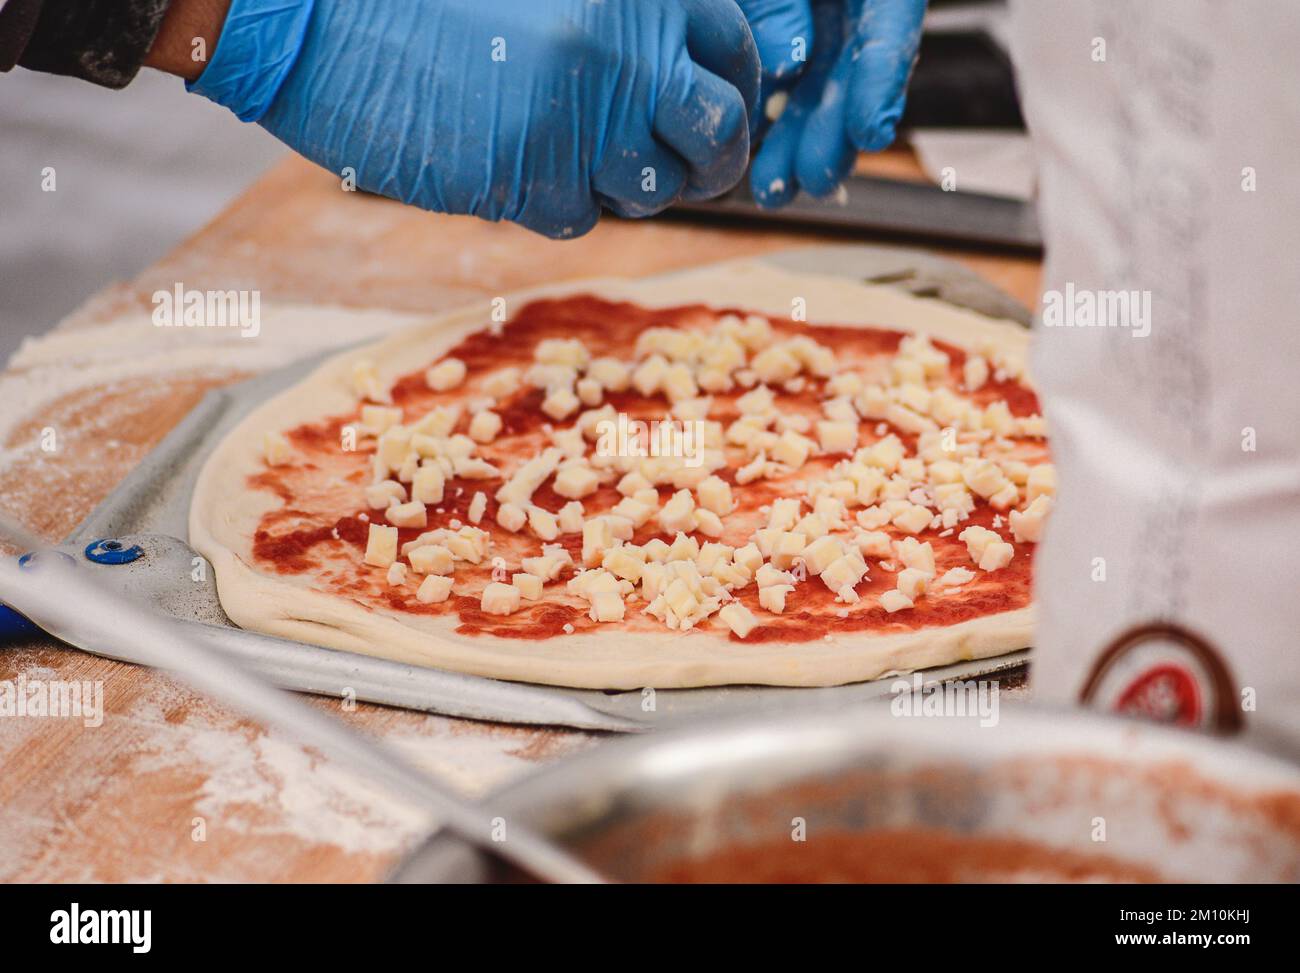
[187,37]
[260,44]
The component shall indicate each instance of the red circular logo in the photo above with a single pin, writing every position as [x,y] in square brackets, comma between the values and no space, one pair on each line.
[1166,693]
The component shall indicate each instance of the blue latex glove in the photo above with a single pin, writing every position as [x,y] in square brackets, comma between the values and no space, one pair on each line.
[848,97]
[536,111]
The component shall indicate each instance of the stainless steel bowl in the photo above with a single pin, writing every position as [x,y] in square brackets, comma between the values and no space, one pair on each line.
[1041,795]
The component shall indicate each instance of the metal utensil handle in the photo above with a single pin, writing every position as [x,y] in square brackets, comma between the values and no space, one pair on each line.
[50,588]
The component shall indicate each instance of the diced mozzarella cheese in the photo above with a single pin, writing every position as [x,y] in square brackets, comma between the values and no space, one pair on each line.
[511,517]
[577,480]
[715,494]
[502,382]
[977,539]
[1027,525]
[276,449]
[772,597]
[837,436]
[500,599]
[434,588]
[484,427]
[914,519]
[396,574]
[543,523]
[738,618]
[997,555]
[560,402]
[607,606]
[477,507]
[445,375]
[894,601]
[845,571]
[410,514]
[529,585]
[384,494]
[431,559]
[381,546]
[913,582]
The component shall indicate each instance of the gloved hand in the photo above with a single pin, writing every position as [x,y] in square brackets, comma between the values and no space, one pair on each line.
[848,97]
[536,111]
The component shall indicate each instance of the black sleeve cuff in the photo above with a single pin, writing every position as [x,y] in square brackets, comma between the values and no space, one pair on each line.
[103,41]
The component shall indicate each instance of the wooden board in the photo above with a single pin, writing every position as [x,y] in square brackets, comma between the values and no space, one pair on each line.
[170,787]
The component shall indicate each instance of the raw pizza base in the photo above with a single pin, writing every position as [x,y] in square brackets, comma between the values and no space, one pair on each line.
[225,511]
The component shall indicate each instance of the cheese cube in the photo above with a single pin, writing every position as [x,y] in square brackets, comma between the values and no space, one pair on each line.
[984,477]
[571,518]
[1006,498]
[656,549]
[578,480]
[511,517]
[977,539]
[612,374]
[431,559]
[434,588]
[708,523]
[913,582]
[837,436]
[501,383]
[560,403]
[820,554]
[769,574]
[873,543]
[845,571]
[618,562]
[407,514]
[954,577]
[607,606]
[885,454]
[562,351]
[683,548]
[772,597]
[597,536]
[788,546]
[812,526]
[997,555]
[445,375]
[500,599]
[484,427]
[381,546]
[894,601]
[1027,525]
[649,375]
[678,514]
[276,449]
[1042,480]
[738,618]
[714,494]
[775,364]
[543,523]
[366,383]
[914,554]
[384,494]
[749,557]
[792,449]
[975,372]
[396,573]
[529,585]
[477,507]
[914,519]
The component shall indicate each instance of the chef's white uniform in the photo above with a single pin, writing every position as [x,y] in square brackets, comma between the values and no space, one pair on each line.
[1168,136]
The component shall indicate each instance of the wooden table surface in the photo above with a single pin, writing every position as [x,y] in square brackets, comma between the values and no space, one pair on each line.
[171,787]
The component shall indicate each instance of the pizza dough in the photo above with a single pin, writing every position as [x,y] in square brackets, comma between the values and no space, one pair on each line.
[228,506]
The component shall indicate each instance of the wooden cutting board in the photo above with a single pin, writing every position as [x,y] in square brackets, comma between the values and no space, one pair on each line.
[170,787]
